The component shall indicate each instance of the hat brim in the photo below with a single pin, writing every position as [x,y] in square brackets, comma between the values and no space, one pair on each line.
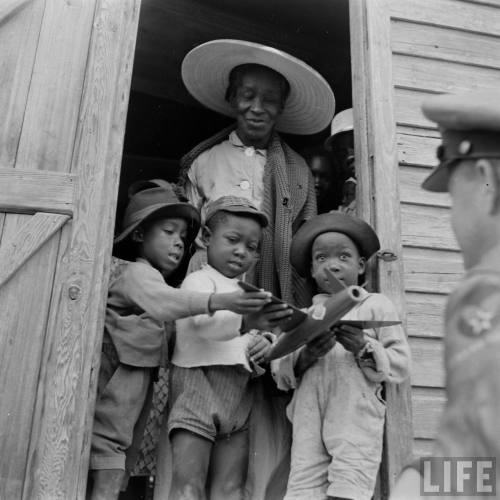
[358,230]
[437,181]
[309,108]
[123,246]
[328,144]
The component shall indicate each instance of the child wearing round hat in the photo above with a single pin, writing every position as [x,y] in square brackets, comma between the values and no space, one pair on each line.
[337,410]
[214,360]
[157,228]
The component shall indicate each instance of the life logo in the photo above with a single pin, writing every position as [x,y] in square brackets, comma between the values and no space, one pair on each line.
[458,476]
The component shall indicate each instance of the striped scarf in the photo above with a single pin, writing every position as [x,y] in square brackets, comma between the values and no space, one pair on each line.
[285,173]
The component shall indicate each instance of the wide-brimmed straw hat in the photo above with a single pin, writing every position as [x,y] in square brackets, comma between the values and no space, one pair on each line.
[361,233]
[308,109]
[155,202]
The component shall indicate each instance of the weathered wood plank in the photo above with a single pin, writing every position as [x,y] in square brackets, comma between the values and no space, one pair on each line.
[18,39]
[431,75]
[30,191]
[24,305]
[433,271]
[375,140]
[30,237]
[450,13]
[425,314]
[411,179]
[60,440]
[51,114]
[427,405]
[428,366]
[427,227]
[417,150]
[423,447]
[10,7]
[444,44]
[408,109]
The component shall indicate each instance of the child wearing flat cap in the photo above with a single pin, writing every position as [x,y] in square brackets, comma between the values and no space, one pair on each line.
[469,170]
[338,410]
[214,360]
[157,229]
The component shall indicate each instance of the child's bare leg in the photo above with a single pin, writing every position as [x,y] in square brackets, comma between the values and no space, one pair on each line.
[190,457]
[107,484]
[228,467]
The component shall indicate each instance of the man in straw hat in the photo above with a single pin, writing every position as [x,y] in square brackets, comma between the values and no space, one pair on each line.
[266,91]
[469,434]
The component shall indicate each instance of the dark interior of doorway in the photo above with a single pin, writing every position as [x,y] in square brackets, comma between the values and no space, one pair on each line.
[164,121]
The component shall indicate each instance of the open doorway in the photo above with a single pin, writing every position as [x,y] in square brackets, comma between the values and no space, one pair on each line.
[164,122]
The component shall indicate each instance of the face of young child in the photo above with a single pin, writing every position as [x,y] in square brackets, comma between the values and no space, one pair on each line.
[161,243]
[322,173]
[232,246]
[337,253]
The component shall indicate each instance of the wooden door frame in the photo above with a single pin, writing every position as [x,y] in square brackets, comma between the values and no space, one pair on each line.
[378,195]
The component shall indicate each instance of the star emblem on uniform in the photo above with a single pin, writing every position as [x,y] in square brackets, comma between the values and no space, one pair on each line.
[478,320]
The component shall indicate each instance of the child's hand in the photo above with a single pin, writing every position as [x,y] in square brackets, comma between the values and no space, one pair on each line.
[258,348]
[313,350]
[240,302]
[351,338]
[268,318]
[318,347]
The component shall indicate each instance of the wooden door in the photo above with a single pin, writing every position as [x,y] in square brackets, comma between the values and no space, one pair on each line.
[65,70]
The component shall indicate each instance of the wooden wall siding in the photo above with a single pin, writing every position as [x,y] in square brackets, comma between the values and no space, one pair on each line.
[439,46]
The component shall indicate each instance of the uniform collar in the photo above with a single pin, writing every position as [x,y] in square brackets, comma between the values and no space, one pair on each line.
[236,141]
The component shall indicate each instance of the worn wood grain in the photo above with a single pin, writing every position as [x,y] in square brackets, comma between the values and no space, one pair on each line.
[24,305]
[408,104]
[60,442]
[18,40]
[416,149]
[379,172]
[428,366]
[427,227]
[411,191]
[435,42]
[429,75]
[425,314]
[423,447]
[450,13]
[30,237]
[431,270]
[428,405]
[9,8]
[51,113]
[30,191]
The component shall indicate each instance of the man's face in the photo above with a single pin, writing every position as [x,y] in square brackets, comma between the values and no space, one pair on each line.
[343,149]
[467,214]
[322,173]
[258,103]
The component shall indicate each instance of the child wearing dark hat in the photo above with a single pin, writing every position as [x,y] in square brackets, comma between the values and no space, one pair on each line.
[337,410]
[214,360]
[157,229]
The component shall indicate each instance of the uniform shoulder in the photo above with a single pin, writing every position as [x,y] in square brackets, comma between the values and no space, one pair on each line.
[476,304]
